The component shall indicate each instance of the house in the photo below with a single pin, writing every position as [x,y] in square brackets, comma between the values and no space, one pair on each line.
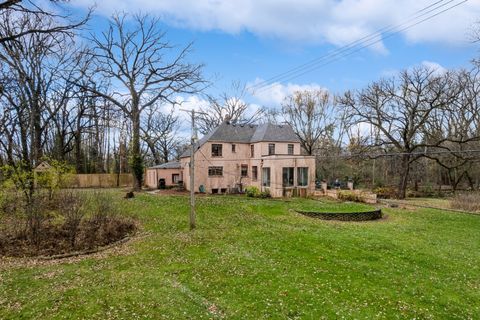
[267,156]
[164,175]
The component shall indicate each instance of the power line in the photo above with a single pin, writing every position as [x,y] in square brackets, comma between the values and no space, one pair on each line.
[374,34]
[352,48]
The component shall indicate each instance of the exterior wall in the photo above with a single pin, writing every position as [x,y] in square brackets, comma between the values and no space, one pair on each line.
[276,165]
[232,161]
[153,175]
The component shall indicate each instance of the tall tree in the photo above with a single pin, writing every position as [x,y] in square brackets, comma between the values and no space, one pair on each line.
[229,106]
[311,115]
[400,108]
[144,69]
[159,132]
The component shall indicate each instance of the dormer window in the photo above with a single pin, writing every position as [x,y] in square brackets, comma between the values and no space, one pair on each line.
[290,149]
[216,150]
[271,149]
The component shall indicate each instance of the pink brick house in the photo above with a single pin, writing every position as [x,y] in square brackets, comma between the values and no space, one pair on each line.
[164,175]
[267,156]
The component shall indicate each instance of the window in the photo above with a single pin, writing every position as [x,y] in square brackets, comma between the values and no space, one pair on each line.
[288,177]
[254,173]
[234,148]
[302,177]
[252,150]
[175,178]
[271,149]
[216,150]
[290,149]
[244,170]
[215,171]
[266,177]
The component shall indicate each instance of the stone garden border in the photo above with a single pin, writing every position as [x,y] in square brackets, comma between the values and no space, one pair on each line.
[344,216]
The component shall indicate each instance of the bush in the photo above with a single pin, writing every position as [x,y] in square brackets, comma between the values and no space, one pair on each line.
[466,201]
[252,192]
[265,194]
[349,196]
[385,192]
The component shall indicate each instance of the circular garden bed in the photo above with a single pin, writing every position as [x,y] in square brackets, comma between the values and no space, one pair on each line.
[344,216]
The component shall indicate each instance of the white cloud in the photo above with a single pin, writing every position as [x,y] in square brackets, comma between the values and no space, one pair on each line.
[436,67]
[274,94]
[308,21]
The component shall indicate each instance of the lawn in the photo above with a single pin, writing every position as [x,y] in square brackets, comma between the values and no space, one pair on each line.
[258,259]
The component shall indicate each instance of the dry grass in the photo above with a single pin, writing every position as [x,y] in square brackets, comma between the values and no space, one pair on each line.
[466,201]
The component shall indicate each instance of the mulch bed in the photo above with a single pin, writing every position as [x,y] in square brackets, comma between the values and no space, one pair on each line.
[55,241]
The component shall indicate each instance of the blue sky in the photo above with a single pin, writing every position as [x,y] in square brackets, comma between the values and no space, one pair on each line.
[251,40]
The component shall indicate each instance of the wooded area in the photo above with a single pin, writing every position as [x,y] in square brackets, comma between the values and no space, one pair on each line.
[96,105]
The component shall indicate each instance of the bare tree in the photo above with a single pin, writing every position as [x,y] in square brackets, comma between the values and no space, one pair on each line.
[311,115]
[455,131]
[159,132]
[30,10]
[34,65]
[231,106]
[400,108]
[145,70]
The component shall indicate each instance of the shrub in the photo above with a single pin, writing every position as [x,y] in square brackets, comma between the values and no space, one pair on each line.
[385,192]
[349,196]
[265,194]
[252,191]
[466,201]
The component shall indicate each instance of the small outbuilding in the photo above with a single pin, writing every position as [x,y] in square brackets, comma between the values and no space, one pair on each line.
[165,175]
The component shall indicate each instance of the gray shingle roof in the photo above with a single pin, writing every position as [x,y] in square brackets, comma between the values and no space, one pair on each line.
[168,165]
[274,133]
[231,133]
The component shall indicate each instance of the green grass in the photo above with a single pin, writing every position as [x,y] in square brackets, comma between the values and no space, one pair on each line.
[258,259]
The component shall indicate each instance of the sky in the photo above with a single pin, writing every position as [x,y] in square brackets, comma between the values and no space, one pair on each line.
[253,40]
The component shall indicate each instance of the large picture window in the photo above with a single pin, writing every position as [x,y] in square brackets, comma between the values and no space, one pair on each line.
[216,150]
[266,177]
[215,171]
[288,177]
[302,177]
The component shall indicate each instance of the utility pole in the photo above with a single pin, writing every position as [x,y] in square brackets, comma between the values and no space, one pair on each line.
[192,168]
[192,174]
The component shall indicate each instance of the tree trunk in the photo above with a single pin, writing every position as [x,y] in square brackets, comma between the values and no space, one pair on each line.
[405,170]
[136,161]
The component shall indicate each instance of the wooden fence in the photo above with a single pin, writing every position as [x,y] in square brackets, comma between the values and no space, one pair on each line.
[101,180]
